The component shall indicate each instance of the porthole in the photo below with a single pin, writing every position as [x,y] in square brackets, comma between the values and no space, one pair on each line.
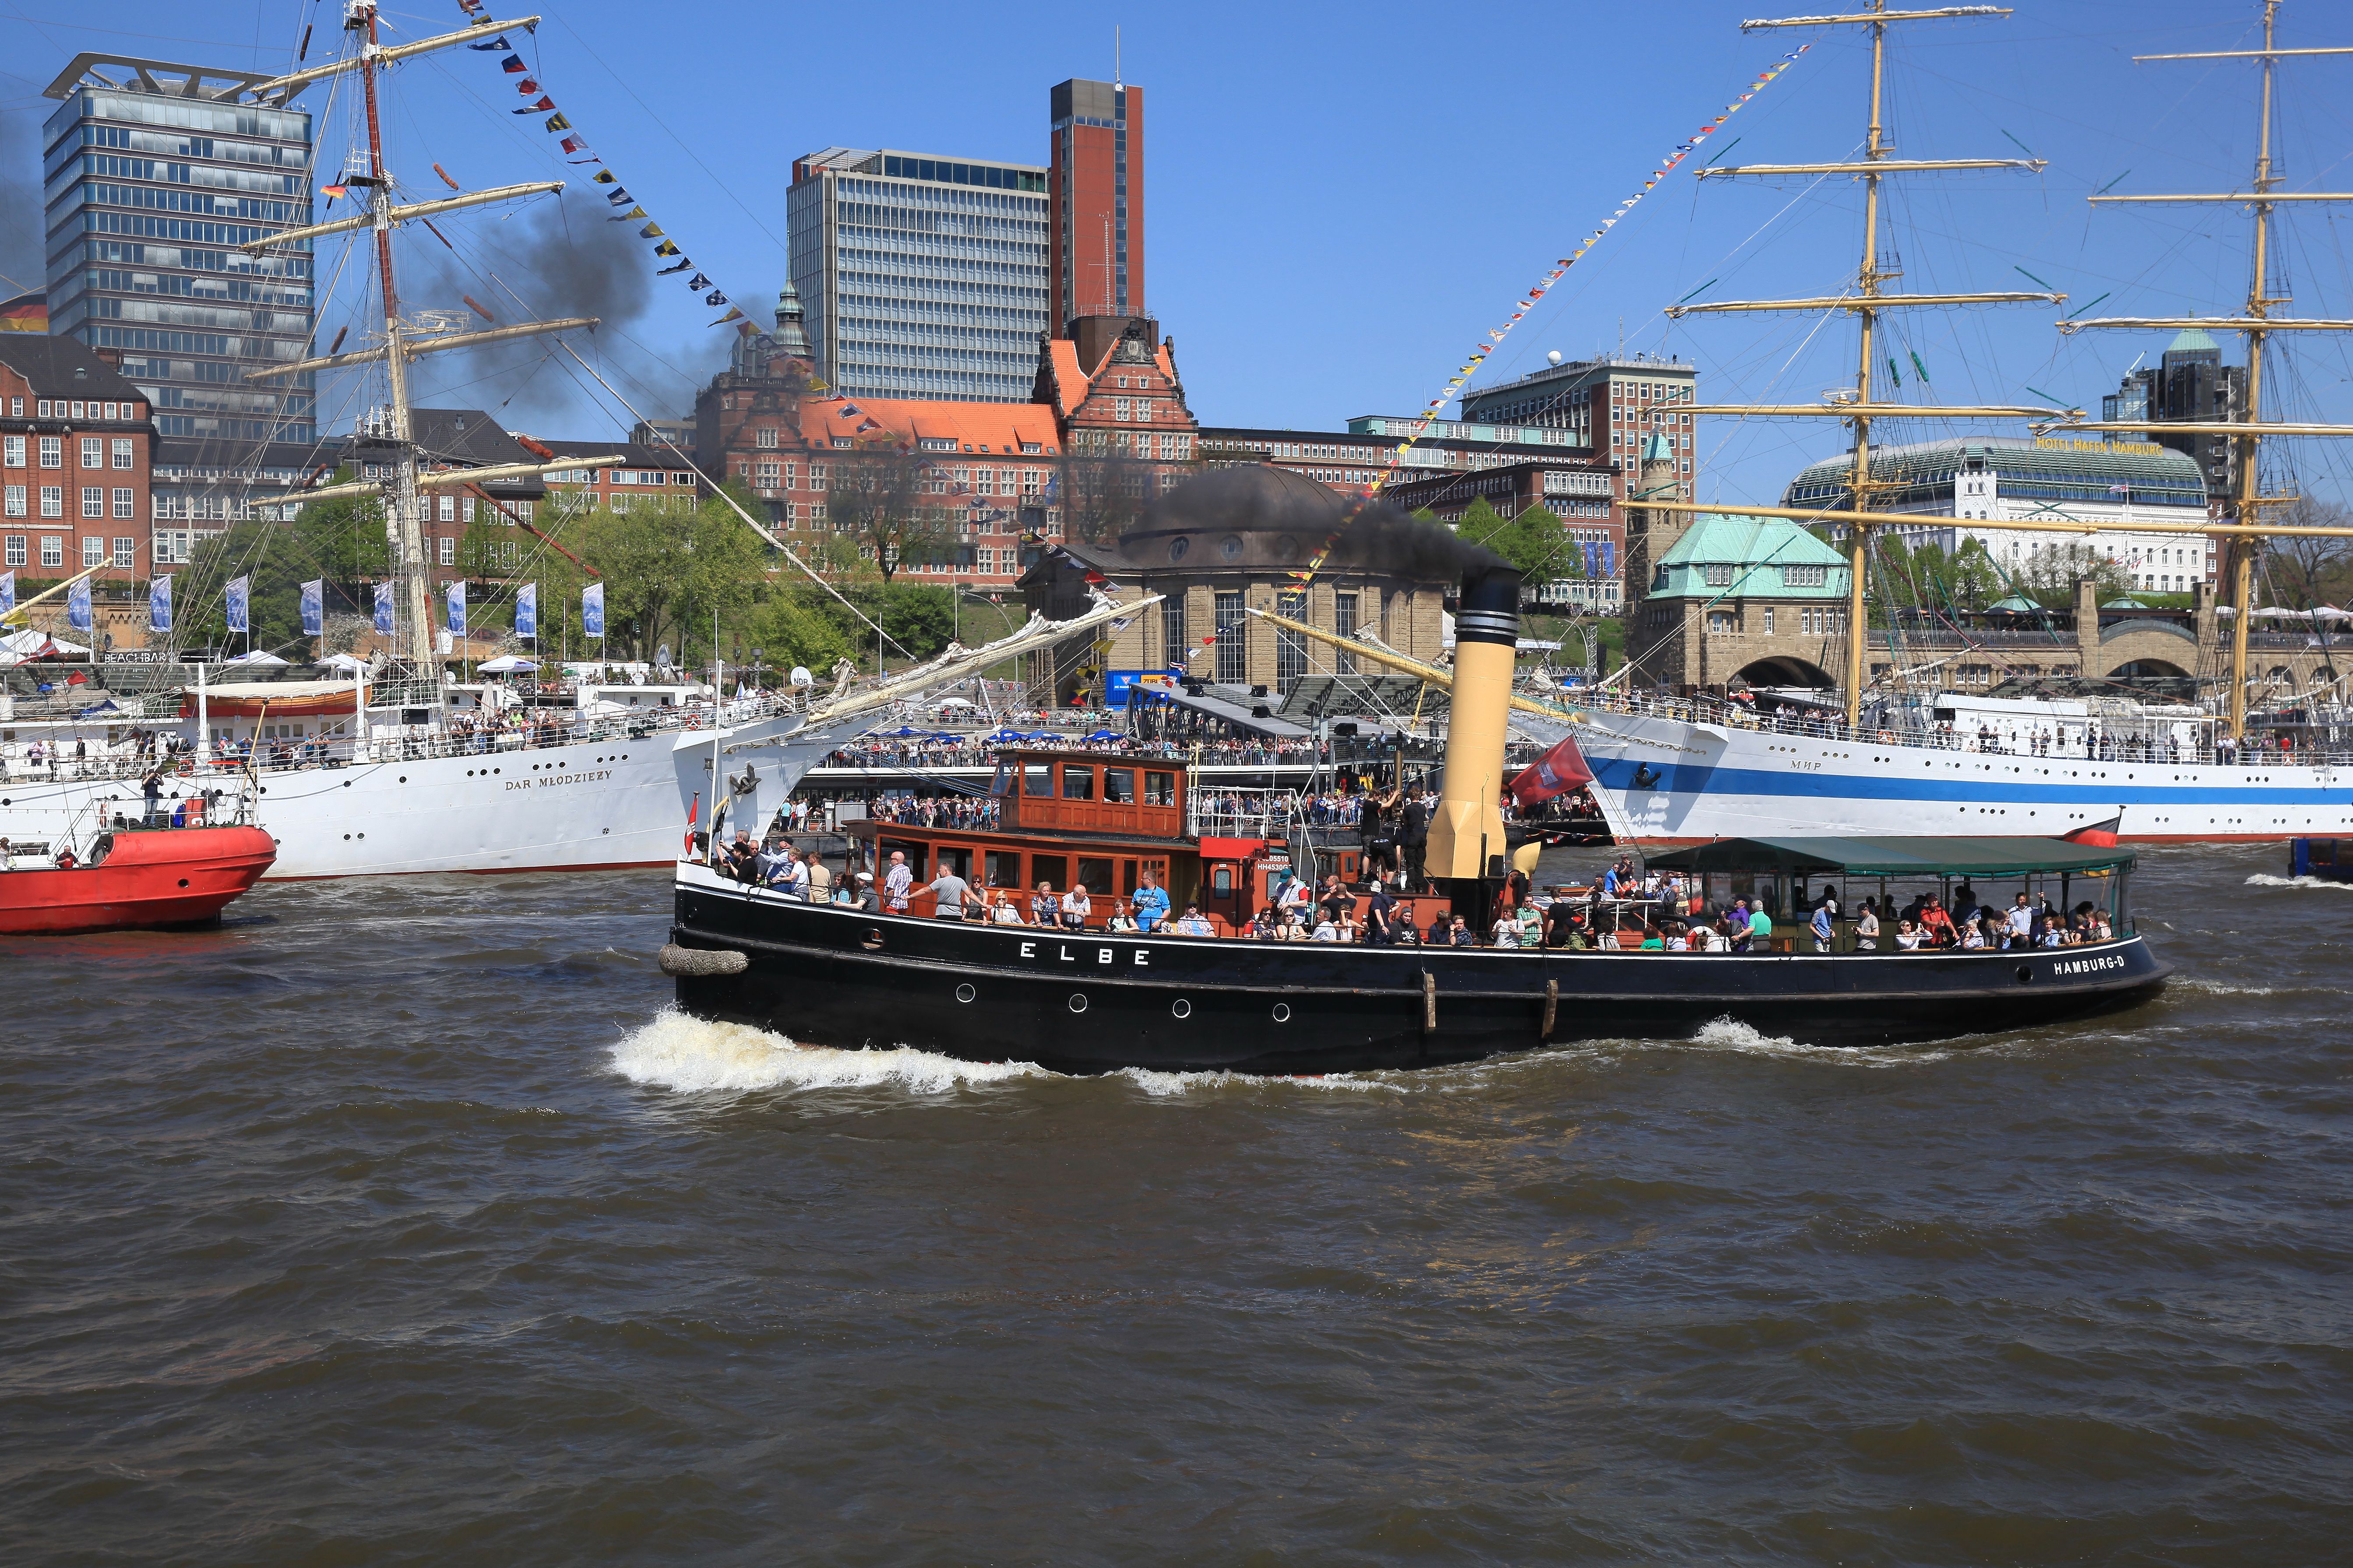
[1180,1009]
[965,993]
[1077,1003]
[403,778]
[1230,547]
[183,881]
[2025,974]
[1283,1012]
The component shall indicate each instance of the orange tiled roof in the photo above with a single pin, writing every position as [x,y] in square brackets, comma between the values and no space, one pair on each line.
[1071,382]
[999,426]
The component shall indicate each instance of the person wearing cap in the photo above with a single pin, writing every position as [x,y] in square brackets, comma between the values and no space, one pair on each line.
[866,900]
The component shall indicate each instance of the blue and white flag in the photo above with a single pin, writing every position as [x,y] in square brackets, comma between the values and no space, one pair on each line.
[458,608]
[78,605]
[7,591]
[1592,559]
[313,608]
[159,605]
[384,608]
[592,610]
[240,592]
[527,610]
[1608,558]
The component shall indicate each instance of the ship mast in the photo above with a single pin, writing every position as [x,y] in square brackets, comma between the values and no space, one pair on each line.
[404,525]
[1869,300]
[404,495]
[2258,325]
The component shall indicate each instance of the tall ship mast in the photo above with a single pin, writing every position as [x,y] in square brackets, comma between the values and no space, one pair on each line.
[1690,765]
[1868,300]
[391,767]
[2257,323]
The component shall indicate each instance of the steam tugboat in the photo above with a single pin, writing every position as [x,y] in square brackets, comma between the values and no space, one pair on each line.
[1091,1000]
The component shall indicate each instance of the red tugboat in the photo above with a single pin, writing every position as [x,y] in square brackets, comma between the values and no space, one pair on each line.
[132,877]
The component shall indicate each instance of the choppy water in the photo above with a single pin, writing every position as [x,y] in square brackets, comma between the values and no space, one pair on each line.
[397,1223]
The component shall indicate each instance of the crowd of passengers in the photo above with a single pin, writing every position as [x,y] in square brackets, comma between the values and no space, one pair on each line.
[978,751]
[1673,916]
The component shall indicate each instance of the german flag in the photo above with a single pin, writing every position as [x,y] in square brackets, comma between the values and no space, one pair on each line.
[25,314]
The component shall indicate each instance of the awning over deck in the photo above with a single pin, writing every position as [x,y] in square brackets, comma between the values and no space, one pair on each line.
[1893,856]
[1239,714]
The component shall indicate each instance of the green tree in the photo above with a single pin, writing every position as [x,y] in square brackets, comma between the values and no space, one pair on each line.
[1538,543]
[893,505]
[668,568]
[339,543]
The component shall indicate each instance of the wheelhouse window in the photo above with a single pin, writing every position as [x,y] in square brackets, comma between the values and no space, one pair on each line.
[1038,779]
[1119,787]
[1078,782]
[1159,789]
[1003,783]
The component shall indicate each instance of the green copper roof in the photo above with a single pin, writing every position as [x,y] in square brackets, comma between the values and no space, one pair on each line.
[1724,556]
[2189,339]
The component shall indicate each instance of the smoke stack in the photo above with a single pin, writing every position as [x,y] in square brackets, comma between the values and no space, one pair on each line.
[1466,837]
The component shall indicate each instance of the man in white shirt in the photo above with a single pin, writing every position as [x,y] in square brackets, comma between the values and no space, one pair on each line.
[2019,922]
[898,883]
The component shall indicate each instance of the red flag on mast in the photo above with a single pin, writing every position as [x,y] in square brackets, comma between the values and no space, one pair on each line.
[694,808]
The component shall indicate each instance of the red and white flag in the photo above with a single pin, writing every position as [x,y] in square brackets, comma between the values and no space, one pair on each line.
[1557,772]
[694,808]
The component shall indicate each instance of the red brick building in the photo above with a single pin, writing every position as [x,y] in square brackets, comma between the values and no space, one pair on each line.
[1108,430]
[77,448]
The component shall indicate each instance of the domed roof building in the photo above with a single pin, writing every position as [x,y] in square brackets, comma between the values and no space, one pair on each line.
[1228,542]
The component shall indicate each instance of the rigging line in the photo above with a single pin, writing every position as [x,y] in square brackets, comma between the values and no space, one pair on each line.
[683,147]
[719,489]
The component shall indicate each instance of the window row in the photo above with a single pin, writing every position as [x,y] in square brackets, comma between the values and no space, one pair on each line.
[13,500]
[52,549]
[61,408]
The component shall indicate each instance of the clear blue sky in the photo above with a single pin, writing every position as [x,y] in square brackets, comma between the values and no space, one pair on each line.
[1342,199]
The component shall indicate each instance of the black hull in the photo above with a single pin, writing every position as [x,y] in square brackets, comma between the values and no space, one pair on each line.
[1093,1002]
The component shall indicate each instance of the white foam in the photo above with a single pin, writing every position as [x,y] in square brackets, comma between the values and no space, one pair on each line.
[1729,1034]
[2217,988]
[692,1056]
[2266,880]
[1166,1085]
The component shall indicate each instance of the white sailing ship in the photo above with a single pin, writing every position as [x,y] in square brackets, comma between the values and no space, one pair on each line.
[401,771]
[1676,770]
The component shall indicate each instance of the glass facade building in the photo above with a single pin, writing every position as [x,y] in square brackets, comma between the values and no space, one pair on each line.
[923,278]
[150,185]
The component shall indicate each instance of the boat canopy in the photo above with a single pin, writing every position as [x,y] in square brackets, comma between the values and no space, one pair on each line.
[1894,856]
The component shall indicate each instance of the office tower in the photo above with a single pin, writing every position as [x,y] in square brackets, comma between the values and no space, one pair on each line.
[154,175]
[920,277]
[2189,382]
[1096,180]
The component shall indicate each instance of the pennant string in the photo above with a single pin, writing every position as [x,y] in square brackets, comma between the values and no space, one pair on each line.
[1478,354]
[537,102]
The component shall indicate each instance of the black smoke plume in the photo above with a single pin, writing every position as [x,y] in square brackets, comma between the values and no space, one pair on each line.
[20,203]
[558,258]
[1378,538]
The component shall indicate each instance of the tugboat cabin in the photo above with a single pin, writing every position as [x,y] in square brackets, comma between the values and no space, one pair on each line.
[1097,819]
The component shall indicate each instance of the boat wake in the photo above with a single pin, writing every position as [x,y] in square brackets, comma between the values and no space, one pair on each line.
[1166,1085]
[2266,880]
[690,1055]
[1729,1034]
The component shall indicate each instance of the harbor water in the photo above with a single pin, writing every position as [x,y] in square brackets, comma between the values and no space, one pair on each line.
[400,1222]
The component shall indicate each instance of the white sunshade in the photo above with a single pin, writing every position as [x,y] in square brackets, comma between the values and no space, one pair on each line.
[260,656]
[505,664]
